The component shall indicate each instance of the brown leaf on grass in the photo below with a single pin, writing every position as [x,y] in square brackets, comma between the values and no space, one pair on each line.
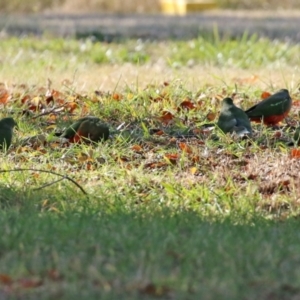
[277,134]
[137,148]
[33,103]
[160,132]
[71,106]
[185,148]
[166,117]
[211,116]
[4,95]
[186,104]
[172,157]
[5,279]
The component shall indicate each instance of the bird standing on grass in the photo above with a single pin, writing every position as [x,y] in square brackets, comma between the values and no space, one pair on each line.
[271,110]
[233,119]
[6,132]
[87,129]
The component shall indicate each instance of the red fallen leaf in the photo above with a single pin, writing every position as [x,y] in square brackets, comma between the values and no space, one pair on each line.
[211,116]
[6,279]
[4,94]
[160,132]
[185,148]
[187,104]
[30,283]
[25,99]
[137,148]
[277,134]
[295,153]
[166,117]
[265,95]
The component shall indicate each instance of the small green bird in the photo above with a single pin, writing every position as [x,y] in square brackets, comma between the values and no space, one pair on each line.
[6,132]
[87,129]
[233,119]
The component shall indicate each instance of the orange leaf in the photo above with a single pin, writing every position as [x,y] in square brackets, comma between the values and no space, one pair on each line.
[211,116]
[185,148]
[295,153]
[166,117]
[71,106]
[4,96]
[265,95]
[137,148]
[5,279]
[172,157]
[117,97]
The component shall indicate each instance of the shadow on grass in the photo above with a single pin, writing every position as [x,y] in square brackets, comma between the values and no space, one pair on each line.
[139,254]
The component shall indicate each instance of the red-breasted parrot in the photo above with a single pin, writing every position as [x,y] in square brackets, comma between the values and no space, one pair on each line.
[271,110]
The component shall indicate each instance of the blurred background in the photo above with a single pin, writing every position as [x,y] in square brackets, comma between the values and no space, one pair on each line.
[132,6]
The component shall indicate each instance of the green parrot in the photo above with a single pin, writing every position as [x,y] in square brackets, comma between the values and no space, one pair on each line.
[271,110]
[6,132]
[88,128]
[233,119]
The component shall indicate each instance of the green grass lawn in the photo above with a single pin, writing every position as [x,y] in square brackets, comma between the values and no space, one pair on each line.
[167,215]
